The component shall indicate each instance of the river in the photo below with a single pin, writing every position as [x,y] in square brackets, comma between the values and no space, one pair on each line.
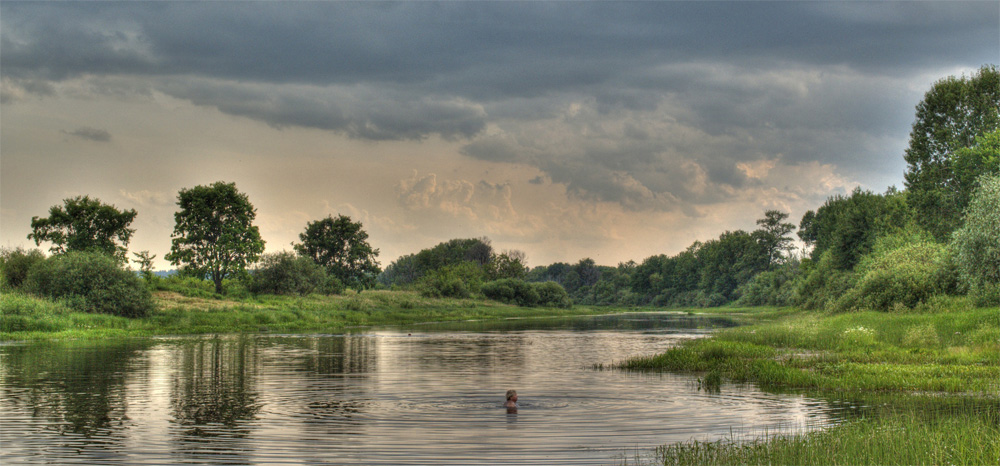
[428,394]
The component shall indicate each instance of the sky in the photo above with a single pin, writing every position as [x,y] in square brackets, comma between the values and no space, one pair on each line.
[609,130]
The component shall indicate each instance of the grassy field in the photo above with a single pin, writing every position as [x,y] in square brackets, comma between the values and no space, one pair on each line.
[934,373]
[25,317]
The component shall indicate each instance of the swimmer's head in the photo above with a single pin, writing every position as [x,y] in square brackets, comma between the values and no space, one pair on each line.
[511,394]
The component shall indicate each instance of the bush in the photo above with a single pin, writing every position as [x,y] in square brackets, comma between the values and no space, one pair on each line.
[452,281]
[552,294]
[90,282]
[286,273]
[977,244]
[15,264]
[821,283]
[771,288]
[511,291]
[903,270]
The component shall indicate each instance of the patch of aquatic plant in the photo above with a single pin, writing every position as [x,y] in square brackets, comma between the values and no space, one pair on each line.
[953,348]
[968,434]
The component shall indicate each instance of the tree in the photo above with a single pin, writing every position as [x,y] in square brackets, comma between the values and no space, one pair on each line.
[977,243]
[85,224]
[848,226]
[341,246]
[507,264]
[773,236]
[953,113]
[971,163]
[214,235]
[145,262]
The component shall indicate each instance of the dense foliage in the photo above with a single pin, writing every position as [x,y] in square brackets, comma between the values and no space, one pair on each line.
[90,282]
[410,268]
[953,113]
[341,246]
[285,273]
[903,270]
[977,243]
[214,235]
[15,264]
[85,224]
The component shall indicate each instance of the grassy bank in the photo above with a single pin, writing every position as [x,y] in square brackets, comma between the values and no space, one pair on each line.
[907,436]
[24,317]
[948,346]
[921,364]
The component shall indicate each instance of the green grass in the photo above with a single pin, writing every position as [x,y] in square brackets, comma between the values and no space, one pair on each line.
[24,317]
[951,348]
[936,367]
[967,436]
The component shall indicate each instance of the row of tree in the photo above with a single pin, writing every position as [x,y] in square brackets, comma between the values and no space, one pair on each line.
[214,237]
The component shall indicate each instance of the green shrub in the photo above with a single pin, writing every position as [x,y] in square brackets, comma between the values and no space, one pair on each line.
[903,270]
[286,273]
[511,291]
[977,244]
[15,264]
[552,294]
[452,281]
[90,282]
[770,288]
[821,283]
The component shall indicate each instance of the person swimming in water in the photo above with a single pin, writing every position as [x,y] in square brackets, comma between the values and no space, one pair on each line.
[511,403]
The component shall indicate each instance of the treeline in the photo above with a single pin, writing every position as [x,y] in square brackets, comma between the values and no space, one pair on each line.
[941,235]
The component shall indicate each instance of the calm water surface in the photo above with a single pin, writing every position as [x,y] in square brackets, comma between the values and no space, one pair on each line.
[423,395]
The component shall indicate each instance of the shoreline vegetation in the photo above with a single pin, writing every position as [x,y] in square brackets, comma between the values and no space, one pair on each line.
[928,380]
[179,311]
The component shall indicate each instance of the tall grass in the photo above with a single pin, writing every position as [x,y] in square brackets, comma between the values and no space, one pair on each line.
[910,437]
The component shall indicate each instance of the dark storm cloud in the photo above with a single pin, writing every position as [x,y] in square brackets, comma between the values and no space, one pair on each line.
[480,50]
[647,104]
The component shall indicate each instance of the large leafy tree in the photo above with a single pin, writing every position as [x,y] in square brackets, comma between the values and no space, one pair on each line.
[773,236]
[848,226]
[342,247]
[214,235]
[85,224]
[952,115]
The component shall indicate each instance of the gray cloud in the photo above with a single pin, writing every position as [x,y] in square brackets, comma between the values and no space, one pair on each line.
[359,112]
[90,134]
[652,105]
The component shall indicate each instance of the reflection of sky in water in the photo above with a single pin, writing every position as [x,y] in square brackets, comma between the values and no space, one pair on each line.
[381,397]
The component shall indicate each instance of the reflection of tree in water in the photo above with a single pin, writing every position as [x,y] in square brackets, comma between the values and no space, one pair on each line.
[331,367]
[627,321]
[214,394]
[78,388]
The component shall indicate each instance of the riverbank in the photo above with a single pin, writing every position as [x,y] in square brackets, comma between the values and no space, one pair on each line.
[929,377]
[24,317]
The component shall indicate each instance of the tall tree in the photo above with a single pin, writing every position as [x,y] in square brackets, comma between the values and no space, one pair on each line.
[85,224]
[214,235]
[342,247]
[953,113]
[773,236]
